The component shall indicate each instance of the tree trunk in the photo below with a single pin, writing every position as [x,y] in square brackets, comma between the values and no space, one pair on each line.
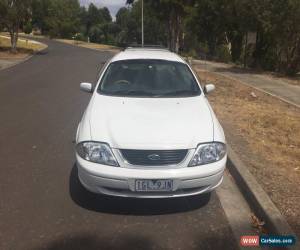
[259,48]
[174,31]
[14,35]
[236,46]
[178,33]
[170,35]
[245,50]
[212,44]
[172,28]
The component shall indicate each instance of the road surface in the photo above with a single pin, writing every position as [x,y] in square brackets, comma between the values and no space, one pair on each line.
[42,205]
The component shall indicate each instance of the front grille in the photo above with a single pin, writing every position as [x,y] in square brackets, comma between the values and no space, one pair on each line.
[153,157]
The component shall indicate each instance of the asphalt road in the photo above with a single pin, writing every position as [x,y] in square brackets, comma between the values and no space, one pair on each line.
[42,205]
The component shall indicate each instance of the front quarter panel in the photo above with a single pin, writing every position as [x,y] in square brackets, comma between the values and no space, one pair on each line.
[84,128]
[218,130]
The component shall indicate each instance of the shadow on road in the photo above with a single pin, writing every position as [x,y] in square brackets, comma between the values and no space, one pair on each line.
[96,242]
[130,206]
[134,241]
[42,52]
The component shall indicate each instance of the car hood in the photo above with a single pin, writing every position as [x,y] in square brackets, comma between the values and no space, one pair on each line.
[151,123]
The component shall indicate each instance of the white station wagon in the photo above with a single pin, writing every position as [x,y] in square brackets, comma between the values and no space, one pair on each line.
[149,131]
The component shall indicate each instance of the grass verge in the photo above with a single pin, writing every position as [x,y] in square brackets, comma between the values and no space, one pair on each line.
[265,132]
[25,47]
[95,46]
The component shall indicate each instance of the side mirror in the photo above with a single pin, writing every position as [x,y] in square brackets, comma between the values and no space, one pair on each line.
[86,87]
[209,88]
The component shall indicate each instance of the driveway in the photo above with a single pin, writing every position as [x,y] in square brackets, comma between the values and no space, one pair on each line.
[42,205]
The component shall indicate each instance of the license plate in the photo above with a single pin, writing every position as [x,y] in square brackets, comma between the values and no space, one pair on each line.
[153,185]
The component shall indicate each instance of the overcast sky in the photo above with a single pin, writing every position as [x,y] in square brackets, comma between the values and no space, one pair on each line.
[112,5]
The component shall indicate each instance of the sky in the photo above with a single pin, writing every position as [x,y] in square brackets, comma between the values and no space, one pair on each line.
[112,5]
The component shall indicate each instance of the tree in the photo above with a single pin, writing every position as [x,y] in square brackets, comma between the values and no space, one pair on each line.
[63,18]
[209,23]
[277,25]
[13,14]
[57,18]
[154,27]
[128,27]
[112,33]
[168,13]
[105,14]
[283,30]
[122,17]
[27,28]
[40,10]
[239,21]
[172,14]
[94,16]
[291,45]
[83,16]
[96,34]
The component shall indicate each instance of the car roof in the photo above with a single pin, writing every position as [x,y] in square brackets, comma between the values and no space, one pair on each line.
[147,53]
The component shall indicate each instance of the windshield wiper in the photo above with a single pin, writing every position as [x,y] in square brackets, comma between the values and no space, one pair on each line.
[181,93]
[132,93]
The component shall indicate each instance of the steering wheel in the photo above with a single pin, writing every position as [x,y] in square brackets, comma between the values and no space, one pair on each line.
[122,82]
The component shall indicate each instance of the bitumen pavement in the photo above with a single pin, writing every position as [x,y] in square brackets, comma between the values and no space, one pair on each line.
[42,204]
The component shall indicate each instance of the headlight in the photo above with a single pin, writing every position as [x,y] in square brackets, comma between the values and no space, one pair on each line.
[208,153]
[96,152]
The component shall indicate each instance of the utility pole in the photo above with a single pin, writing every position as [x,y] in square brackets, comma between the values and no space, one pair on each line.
[142,23]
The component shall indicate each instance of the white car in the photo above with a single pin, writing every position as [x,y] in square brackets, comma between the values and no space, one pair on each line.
[149,131]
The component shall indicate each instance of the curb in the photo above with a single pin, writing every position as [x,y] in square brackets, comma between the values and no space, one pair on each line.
[261,90]
[257,198]
[25,58]
[256,88]
[114,51]
[16,63]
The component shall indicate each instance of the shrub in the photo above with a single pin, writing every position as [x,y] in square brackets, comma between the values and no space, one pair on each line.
[223,53]
[79,37]
[96,34]
[27,28]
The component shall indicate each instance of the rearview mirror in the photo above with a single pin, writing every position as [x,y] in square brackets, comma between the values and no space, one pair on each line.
[86,87]
[209,88]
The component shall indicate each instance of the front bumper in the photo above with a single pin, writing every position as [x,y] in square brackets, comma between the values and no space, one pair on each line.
[120,181]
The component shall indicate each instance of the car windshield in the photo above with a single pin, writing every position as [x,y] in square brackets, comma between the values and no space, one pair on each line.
[149,78]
